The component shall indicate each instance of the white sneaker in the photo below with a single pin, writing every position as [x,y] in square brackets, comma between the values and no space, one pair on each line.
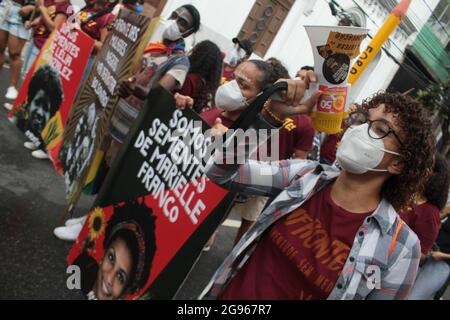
[68,233]
[11,93]
[29,145]
[39,154]
[8,106]
[74,221]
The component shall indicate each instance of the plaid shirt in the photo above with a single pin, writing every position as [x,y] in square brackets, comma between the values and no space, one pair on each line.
[383,261]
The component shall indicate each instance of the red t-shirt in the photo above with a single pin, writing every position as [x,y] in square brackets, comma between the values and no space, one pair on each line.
[301,256]
[210,117]
[42,32]
[94,27]
[301,137]
[424,220]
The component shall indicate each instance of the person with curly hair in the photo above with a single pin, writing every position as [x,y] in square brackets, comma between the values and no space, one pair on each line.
[129,247]
[331,232]
[424,219]
[44,97]
[203,78]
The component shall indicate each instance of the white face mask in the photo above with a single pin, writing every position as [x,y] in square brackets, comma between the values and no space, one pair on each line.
[172,31]
[229,97]
[359,152]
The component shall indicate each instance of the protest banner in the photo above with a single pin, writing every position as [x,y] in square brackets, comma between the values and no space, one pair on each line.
[48,91]
[156,208]
[91,114]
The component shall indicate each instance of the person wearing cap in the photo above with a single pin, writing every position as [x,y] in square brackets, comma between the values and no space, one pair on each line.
[241,52]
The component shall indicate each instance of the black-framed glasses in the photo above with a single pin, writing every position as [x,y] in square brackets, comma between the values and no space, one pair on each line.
[380,127]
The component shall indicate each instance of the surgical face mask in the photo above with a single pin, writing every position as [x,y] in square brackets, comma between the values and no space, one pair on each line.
[359,152]
[172,31]
[229,97]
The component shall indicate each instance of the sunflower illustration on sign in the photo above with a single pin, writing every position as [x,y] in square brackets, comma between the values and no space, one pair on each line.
[96,222]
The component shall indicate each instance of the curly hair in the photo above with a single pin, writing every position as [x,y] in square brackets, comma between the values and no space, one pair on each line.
[279,71]
[46,78]
[417,149]
[436,188]
[206,60]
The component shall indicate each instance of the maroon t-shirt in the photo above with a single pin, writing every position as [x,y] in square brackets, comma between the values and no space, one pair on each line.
[210,117]
[93,27]
[301,256]
[424,220]
[299,137]
[42,33]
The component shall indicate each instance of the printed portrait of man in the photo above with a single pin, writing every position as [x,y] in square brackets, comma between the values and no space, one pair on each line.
[45,94]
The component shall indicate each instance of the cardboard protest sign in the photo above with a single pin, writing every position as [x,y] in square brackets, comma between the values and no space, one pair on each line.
[90,117]
[156,208]
[47,93]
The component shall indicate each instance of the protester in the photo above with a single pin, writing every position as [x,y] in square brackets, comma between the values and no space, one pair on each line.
[51,14]
[164,63]
[13,36]
[297,134]
[424,219]
[327,229]
[241,52]
[203,79]
[424,216]
[295,138]
[96,19]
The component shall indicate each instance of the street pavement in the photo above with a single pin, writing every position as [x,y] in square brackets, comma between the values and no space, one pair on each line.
[32,260]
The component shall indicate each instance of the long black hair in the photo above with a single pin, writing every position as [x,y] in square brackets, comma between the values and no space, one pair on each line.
[436,188]
[206,60]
